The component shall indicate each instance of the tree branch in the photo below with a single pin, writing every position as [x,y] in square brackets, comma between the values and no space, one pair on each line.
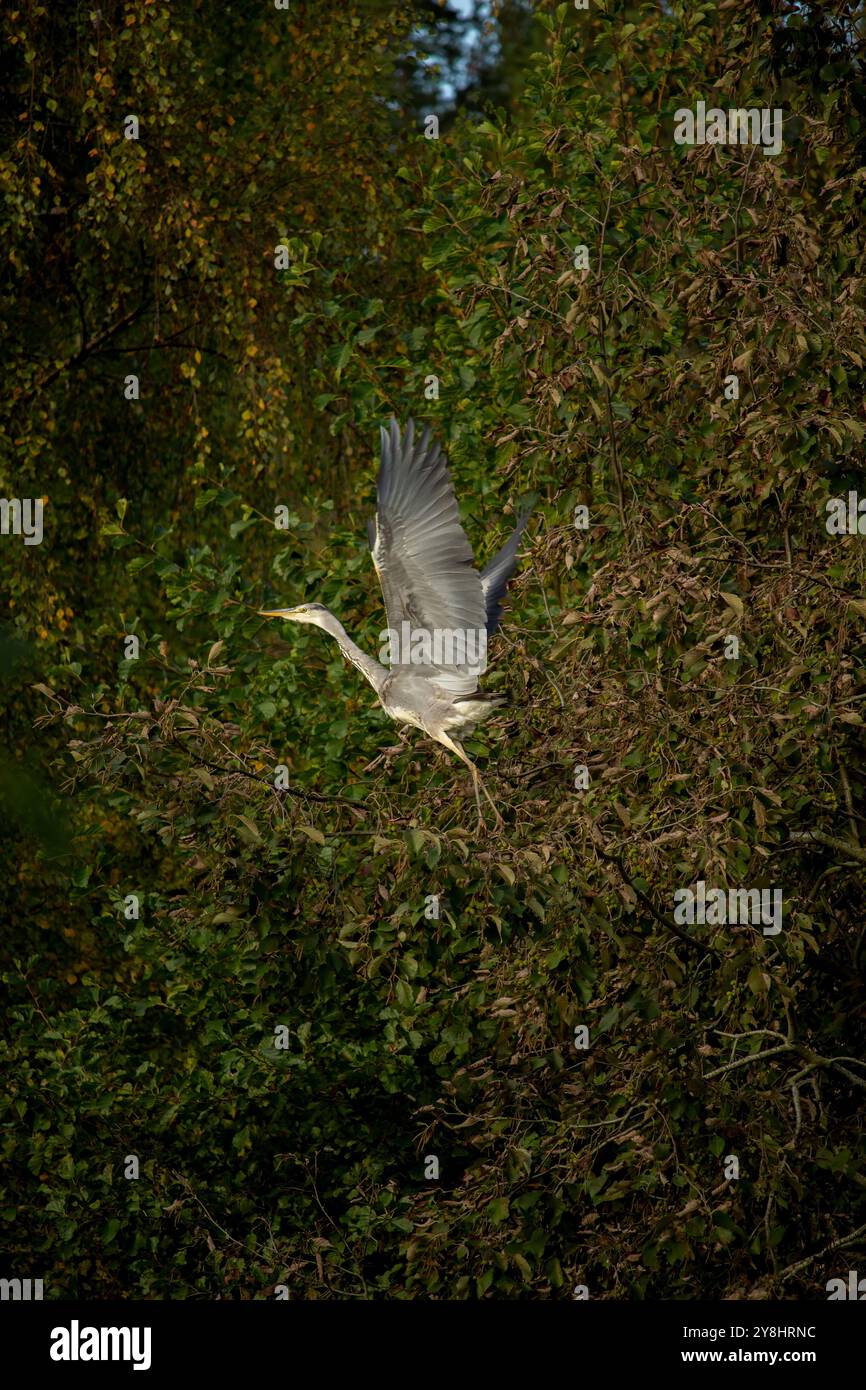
[831,841]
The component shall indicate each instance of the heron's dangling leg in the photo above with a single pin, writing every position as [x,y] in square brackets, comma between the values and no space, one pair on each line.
[476,778]
[388,753]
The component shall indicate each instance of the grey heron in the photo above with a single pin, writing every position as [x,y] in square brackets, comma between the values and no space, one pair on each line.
[440,609]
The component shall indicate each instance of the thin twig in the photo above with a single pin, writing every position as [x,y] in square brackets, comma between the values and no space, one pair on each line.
[834,1245]
[752,1057]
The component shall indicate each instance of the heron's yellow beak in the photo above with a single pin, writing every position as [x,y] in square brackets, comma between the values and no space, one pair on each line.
[277,612]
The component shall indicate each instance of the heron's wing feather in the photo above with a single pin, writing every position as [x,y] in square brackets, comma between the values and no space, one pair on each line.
[495,575]
[421,552]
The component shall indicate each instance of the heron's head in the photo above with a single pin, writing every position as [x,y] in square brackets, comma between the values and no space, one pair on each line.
[304,613]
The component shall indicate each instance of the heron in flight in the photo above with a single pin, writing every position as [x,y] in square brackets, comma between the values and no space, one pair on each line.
[440,609]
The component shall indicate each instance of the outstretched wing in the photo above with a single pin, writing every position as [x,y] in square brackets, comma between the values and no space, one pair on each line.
[422,555]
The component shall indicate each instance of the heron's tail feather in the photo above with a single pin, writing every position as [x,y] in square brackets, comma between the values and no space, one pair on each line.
[480,697]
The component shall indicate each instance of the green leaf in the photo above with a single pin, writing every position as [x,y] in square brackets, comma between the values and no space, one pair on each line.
[496,1211]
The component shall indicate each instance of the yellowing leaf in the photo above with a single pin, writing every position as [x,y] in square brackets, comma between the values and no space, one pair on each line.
[734,601]
[251,828]
[312,834]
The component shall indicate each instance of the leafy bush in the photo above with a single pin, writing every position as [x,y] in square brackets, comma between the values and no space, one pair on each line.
[287,1032]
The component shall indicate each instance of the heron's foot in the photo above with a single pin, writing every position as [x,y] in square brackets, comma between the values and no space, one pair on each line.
[484,827]
[498,822]
[477,785]
[386,755]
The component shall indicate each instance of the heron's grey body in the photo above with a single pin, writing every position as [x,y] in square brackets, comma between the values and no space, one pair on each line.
[430,586]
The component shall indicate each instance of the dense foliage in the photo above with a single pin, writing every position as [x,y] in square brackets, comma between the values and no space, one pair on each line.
[287,1032]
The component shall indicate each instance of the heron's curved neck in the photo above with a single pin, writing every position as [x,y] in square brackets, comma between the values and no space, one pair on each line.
[366,665]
